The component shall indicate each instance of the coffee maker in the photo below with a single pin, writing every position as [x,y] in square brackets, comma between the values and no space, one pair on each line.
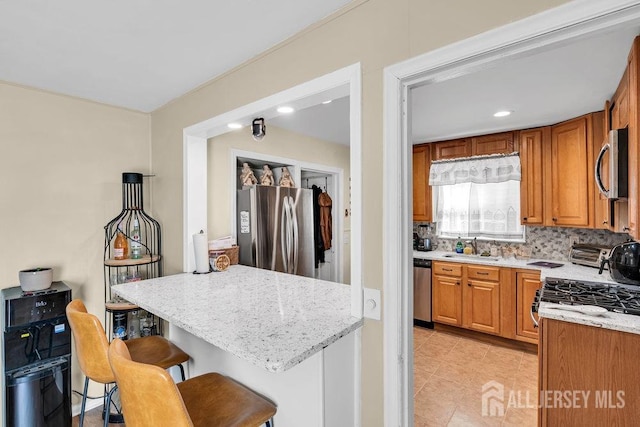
[423,240]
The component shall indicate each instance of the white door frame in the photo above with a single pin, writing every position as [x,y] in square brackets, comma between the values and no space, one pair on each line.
[569,21]
[195,164]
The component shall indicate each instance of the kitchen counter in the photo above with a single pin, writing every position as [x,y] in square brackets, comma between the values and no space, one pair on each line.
[272,320]
[567,271]
[609,320]
[290,338]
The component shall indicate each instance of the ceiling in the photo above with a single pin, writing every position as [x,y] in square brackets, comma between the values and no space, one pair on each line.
[141,54]
[541,88]
[328,122]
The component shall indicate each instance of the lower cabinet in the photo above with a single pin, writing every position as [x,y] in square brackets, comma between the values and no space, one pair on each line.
[586,375]
[527,283]
[467,296]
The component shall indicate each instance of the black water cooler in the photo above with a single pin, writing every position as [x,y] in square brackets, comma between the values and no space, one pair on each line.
[36,355]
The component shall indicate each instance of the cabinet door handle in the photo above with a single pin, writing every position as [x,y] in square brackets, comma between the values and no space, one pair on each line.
[554,219]
[480,273]
[458,283]
[447,269]
[524,219]
[605,222]
[625,229]
[468,283]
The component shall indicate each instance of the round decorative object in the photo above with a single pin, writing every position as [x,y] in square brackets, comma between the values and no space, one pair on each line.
[221,263]
[36,279]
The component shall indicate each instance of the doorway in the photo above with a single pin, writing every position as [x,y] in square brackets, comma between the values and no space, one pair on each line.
[569,22]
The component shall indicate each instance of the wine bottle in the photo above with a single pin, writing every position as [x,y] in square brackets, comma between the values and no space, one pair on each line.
[120,245]
[136,246]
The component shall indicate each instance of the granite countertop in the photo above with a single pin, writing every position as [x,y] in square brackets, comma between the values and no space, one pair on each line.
[609,320]
[272,320]
[567,271]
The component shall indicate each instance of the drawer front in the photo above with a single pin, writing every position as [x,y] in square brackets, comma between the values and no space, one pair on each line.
[446,269]
[483,273]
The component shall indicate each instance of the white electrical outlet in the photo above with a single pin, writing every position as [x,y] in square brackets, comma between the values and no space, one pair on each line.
[573,240]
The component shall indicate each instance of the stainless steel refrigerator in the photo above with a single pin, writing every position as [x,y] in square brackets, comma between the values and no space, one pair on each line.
[275,229]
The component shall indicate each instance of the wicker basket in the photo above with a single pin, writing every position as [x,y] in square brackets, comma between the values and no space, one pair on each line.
[231,252]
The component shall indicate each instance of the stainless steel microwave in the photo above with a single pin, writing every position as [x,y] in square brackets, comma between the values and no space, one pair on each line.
[617,146]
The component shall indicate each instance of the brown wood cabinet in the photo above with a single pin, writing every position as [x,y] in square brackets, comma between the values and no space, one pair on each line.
[592,360]
[527,283]
[467,295]
[446,293]
[452,149]
[619,109]
[570,183]
[497,143]
[421,188]
[532,144]
[631,215]
[481,299]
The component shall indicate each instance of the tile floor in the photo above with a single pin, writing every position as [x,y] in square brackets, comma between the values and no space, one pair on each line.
[449,372]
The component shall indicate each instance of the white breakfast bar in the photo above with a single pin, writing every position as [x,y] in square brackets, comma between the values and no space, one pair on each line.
[289,338]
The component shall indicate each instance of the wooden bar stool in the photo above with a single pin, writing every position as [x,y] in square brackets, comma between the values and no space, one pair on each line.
[150,398]
[92,350]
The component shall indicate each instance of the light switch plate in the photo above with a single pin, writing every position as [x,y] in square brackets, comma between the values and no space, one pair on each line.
[372,303]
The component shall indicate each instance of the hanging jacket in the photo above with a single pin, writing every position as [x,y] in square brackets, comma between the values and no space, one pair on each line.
[325,203]
[318,244]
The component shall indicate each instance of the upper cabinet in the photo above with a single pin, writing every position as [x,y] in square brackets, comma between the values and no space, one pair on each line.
[497,143]
[619,109]
[571,185]
[421,187]
[557,187]
[532,183]
[452,149]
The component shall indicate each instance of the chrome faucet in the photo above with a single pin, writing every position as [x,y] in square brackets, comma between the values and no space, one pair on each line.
[474,245]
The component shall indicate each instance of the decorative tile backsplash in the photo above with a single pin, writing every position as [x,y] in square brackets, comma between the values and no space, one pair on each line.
[542,242]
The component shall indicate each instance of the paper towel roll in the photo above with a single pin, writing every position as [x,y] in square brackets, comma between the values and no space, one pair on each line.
[201,249]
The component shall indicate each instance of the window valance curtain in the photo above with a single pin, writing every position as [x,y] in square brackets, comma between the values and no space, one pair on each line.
[478,170]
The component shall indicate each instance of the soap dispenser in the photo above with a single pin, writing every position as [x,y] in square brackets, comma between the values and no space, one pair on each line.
[459,246]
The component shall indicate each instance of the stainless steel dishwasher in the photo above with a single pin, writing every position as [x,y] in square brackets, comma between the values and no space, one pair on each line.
[422,292]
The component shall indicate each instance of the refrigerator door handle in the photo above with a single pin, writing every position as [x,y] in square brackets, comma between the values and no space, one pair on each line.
[295,237]
[283,233]
[290,213]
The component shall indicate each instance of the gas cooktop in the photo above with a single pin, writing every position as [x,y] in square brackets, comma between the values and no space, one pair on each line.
[617,298]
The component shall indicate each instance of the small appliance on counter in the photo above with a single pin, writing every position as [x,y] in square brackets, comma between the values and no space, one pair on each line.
[589,255]
[423,240]
[624,263]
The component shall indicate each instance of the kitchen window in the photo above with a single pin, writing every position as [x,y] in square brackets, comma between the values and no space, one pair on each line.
[478,197]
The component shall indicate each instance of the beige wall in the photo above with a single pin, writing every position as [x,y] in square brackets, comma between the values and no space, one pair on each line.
[278,142]
[376,33]
[61,161]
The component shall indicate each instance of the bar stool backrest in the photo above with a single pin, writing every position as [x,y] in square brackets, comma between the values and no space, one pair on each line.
[148,394]
[90,342]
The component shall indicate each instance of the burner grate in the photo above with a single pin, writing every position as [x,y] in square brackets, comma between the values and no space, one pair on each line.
[616,298]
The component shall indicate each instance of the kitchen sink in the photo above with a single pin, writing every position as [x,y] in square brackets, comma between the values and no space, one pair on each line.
[474,257]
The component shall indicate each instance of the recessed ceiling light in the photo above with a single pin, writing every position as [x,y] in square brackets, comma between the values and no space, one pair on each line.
[234,126]
[327,101]
[285,110]
[502,113]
